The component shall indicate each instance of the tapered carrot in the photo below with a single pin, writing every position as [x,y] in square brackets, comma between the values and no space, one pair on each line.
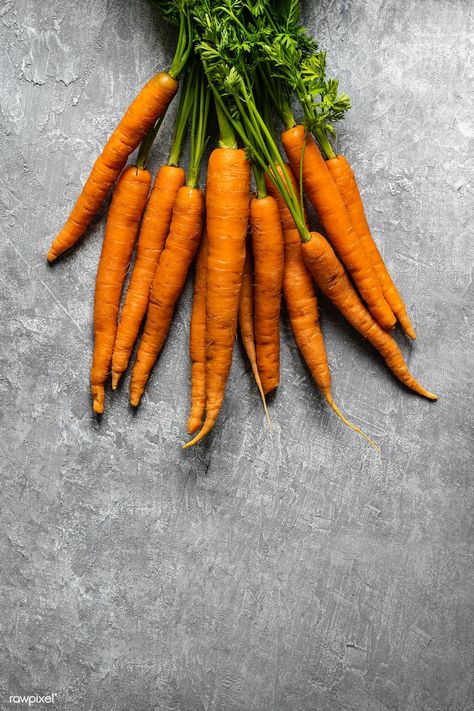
[197,341]
[335,284]
[325,198]
[181,246]
[246,325]
[267,246]
[346,183]
[227,206]
[123,221]
[168,283]
[143,112]
[302,305]
[154,229]
[300,297]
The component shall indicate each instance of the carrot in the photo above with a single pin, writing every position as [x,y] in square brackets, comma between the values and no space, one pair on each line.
[246,325]
[181,244]
[170,276]
[197,341]
[143,112]
[151,240]
[346,183]
[302,304]
[300,298]
[325,198]
[124,217]
[335,284]
[227,206]
[267,243]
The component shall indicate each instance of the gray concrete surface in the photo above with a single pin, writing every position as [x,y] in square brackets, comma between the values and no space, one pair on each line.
[289,572]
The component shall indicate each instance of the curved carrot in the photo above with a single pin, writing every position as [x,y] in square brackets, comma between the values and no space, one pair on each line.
[346,183]
[123,221]
[335,284]
[170,276]
[154,229]
[147,107]
[325,198]
[267,244]
[246,325]
[302,305]
[197,341]
[227,205]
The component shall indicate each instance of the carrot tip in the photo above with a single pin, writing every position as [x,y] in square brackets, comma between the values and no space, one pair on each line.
[135,400]
[411,333]
[206,428]
[52,256]
[193,426]
[98,401]
[115,379]
[192,442]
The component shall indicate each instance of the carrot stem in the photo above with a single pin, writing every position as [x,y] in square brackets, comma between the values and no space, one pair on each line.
[183,45]
[184,109]
[227,136]
[198,131]
[323,140]
[147,143]
[259,176]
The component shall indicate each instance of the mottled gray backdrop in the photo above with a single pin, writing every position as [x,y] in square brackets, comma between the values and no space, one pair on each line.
[296,571]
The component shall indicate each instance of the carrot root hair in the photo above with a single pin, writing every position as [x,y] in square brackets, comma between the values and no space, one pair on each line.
[355,428]
[262,395]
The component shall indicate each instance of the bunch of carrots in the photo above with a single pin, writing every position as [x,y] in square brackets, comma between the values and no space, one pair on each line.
[238,66]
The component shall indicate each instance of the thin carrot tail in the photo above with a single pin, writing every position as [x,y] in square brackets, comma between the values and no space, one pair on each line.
[405,323]
[211,419]
[206,428]
[332,404]
[256,375]
[419,389]
[198,399]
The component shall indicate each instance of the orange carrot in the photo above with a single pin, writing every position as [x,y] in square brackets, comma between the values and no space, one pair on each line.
[143,112]
[123,221]
[300,297]
[227,205]
[170,276]
[325,198]
[155,225]
[197,341]
[246,324]
[302,305]
[267,243]
[344,178]
[335,284]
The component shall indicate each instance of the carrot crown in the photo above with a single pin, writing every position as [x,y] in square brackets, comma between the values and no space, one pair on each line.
[294,64]
[230,59]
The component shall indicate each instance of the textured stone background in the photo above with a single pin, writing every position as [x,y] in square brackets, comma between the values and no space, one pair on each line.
[296,571]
